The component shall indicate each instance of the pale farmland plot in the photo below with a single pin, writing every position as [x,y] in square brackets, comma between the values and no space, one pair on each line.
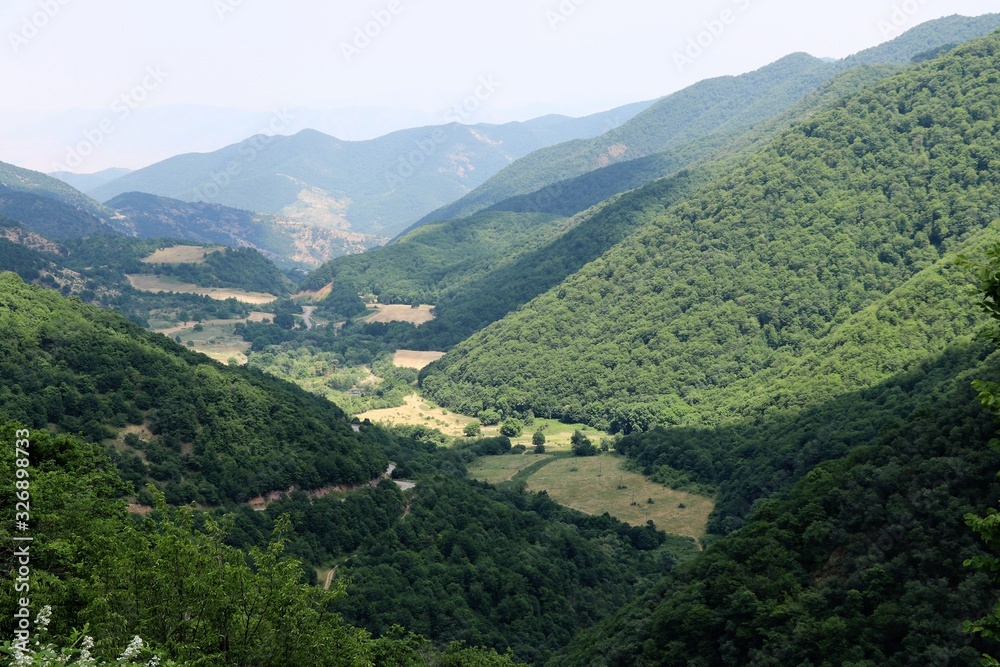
[415,359]
[591,485]
[419,412]
[149,283]
[180,254]
[395,313]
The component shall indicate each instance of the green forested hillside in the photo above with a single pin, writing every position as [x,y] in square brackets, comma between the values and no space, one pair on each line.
[760,266]
[288,242]
[431,258]
[171,578]
[113,257]
[477,269]
[705,108]
[53,208]
[927,37]
[460,561]
[206,432]
[709,107]
[860,564]
[471,296]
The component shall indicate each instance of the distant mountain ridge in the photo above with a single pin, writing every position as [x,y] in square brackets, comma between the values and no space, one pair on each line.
[87,182]
[549,233]
[52,208]
[289,243]
[760,267]
[378,186]
[708,107]
[55,210]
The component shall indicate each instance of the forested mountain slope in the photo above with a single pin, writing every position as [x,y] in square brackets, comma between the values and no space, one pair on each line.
[433,263]
[477,269]
[53,208]
[831,217]
[705,108]
[202,431]
[173,579]
[288,242]
[862,563]
[709,107]
[472,300]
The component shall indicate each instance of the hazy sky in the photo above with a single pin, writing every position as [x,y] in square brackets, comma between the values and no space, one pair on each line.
[419,57]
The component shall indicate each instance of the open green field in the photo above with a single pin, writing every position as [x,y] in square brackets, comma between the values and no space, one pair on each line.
[150,283]
[557,434]
[217,339]
[598,484]
[497,469]
[420,411]
[417,411]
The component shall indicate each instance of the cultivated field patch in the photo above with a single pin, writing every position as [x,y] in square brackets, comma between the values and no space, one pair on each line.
[557,434]
[420,412]
[214,338]
[598,484]
[415,359]
[400,313]
[497,469]
[148,283]
[180,254]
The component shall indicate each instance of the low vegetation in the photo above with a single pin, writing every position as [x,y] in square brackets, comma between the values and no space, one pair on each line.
[155,284]
[599,484]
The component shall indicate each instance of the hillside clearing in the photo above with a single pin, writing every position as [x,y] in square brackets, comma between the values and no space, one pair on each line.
[590,485]
[314,296]
[147,283]
[557,434]
[415,359]
[180,254]
[217,339]
[415,315]
[420,412]
[497,469]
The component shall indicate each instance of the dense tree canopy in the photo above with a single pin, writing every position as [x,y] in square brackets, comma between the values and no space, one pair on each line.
[213,434]
[759,267]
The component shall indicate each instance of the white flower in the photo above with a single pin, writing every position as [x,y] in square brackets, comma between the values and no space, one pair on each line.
[133,649]
[86,660]
[154,662]
[44,618]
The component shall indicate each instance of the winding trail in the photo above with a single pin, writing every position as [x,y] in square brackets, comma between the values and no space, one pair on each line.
[260,503]
[307,312]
